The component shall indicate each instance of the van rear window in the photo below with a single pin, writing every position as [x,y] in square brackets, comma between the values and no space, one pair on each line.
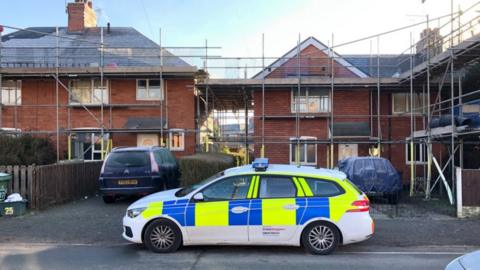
[128,159]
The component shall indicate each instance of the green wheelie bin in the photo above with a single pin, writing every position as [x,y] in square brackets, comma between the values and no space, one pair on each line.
[5,178]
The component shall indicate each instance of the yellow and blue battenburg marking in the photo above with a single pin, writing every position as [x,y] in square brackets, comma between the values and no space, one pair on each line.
[266,212]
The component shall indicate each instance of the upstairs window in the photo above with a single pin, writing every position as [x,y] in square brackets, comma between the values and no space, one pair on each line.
[148,89]
[88,92]
[401,103]
[12,92]
[310,100]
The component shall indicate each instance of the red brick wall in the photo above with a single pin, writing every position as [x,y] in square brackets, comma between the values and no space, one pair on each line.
[312,62]
[181,111]
[346,102]
[80,15]
[351,105]
[38,110]
[76,15]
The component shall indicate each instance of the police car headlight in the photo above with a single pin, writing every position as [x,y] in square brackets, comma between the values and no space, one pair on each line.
[133,213]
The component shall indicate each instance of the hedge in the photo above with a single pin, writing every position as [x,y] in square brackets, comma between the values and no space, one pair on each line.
[26,150]
[198,167]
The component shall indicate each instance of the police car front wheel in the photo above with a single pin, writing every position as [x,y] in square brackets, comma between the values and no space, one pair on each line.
[320,238]
[162,236]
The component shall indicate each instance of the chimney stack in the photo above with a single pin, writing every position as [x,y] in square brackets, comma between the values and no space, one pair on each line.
[81,15]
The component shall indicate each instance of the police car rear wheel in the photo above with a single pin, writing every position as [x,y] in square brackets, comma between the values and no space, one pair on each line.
[320,238]
[162,236]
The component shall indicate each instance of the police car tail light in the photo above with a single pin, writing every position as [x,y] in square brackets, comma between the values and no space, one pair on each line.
[360,206]
[260,164]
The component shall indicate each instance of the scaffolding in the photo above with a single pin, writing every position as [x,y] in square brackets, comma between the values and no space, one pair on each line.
[224,102]
[73,58]
[424,65]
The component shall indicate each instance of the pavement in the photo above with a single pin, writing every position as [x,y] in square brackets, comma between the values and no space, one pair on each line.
[87,235]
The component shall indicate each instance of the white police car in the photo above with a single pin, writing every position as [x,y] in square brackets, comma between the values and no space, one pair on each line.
[257,204]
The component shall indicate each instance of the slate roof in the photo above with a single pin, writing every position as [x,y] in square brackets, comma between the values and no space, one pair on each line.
[124,47]
[390,65]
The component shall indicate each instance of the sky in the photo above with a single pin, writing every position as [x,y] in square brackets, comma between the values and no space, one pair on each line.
[237,25]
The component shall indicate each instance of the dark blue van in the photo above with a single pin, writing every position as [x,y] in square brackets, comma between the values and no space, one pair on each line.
[375,176]
[137,171]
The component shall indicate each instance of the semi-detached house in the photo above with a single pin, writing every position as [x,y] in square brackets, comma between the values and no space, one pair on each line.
[298,107]
[107,76]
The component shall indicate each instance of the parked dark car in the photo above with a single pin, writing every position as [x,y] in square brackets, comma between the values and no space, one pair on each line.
[137,171]
[375,176]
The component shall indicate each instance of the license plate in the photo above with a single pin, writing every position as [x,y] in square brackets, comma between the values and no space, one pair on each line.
[127,182]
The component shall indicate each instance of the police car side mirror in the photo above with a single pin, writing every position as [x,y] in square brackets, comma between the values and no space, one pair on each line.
[198,197]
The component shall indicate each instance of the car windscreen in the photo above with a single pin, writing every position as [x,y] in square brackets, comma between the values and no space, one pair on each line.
[128,159]
[186,190]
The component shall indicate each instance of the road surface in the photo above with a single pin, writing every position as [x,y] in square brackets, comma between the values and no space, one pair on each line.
[130,256]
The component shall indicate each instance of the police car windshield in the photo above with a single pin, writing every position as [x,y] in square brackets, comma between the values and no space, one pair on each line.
[186,190]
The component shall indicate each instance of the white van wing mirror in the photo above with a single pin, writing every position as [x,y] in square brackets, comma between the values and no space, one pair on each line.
[198,197]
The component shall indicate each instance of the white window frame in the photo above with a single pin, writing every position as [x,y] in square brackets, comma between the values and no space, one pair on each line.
[422,148]
[321,108]
[304,141]
[407,105]
[182,139]
[7,98]
[147,83]
[94,91]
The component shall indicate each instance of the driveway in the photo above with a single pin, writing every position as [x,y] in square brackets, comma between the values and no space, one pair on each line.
[87,235]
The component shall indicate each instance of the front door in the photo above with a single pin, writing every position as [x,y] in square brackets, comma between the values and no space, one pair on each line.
[274,214]
[222,217]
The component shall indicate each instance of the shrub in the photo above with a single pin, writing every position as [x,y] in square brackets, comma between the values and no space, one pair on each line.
[198,167]
[26,150]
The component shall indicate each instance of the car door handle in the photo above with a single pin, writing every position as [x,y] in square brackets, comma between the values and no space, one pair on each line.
[291,207]
[239,209]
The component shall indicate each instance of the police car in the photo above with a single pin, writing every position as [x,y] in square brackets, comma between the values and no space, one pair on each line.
[258,204]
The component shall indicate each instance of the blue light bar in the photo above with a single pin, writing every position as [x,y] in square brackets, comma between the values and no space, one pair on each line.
[260,164]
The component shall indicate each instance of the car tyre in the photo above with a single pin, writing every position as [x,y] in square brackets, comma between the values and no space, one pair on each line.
[108,199]
[162,236]
[320,238]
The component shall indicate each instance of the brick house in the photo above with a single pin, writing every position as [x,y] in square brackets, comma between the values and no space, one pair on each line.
[355,123]
[120,84]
